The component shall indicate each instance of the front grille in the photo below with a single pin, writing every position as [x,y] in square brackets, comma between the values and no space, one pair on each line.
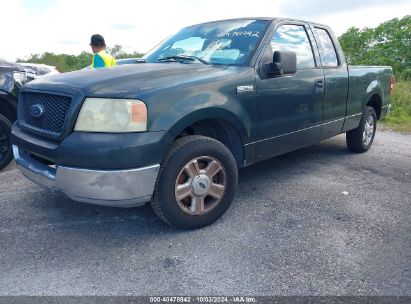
[54,110]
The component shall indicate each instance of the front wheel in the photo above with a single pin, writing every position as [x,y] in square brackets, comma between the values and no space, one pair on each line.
[196,183]
[6,154]
[360,139]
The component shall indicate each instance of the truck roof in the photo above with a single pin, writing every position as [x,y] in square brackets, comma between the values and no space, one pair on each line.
[267,19]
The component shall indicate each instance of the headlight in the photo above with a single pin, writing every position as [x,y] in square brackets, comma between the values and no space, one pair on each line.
[112,116]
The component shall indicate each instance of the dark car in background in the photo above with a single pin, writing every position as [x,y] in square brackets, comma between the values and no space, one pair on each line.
[123,62]
[12,77]
[129,61]
[39,69]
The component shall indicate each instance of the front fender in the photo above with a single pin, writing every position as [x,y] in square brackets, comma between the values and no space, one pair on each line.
[179,115]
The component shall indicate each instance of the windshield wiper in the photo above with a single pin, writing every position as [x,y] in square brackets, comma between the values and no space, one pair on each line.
[183,57]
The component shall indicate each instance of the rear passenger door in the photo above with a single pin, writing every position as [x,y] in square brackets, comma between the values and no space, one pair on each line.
[289,107]
[336,83]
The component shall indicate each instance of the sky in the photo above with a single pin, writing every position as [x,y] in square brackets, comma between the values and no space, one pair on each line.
[65,26]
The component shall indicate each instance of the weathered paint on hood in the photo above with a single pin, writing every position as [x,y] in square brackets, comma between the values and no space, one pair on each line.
[122,80]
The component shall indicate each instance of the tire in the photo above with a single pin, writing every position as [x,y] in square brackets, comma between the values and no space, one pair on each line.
[360,139]
[6,153]
[183,173]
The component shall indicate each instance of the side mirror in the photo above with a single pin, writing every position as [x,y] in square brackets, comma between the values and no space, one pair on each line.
[283,63]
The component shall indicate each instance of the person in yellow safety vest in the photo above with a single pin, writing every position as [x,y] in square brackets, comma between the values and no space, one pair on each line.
[101,58]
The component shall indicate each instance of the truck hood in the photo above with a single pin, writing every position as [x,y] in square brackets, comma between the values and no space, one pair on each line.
[122,81]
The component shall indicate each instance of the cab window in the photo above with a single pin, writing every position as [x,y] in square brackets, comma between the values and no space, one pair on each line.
[294,38]
[327,51]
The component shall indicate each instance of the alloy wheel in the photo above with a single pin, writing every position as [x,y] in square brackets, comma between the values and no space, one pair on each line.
[368,130]
[200,185]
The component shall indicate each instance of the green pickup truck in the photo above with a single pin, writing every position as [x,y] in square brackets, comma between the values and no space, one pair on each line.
[174,128]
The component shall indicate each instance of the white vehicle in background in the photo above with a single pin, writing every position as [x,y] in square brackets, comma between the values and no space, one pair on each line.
[41,70]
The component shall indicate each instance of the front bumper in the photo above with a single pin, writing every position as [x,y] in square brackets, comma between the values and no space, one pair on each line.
[118,188]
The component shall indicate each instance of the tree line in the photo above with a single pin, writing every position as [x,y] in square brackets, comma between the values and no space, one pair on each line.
[387,44]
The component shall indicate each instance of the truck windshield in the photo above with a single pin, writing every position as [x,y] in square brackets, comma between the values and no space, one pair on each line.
[224,42]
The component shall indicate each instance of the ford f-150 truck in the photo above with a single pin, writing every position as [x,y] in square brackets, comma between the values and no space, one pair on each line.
[175,128]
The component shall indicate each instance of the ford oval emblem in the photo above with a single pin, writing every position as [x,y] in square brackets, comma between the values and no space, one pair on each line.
[37,110]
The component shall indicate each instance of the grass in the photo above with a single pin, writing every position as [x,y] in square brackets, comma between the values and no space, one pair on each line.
[400,117]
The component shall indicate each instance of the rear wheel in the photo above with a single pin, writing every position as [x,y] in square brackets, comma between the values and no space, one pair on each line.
[360,139]
[196,183]
[6,154]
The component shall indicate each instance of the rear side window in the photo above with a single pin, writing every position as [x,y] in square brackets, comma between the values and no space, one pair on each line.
[294,38]
[327,50]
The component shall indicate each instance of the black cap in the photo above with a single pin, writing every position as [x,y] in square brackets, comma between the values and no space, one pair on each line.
[97,40]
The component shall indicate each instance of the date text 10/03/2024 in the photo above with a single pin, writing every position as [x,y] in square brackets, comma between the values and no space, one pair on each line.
[205,299]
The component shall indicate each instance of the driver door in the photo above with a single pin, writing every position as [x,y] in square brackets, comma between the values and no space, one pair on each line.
[289,107]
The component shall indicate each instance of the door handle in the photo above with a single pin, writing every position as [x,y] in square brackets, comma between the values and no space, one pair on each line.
[319,83]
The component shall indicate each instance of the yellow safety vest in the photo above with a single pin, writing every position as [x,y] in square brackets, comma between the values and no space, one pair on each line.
[109,60]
